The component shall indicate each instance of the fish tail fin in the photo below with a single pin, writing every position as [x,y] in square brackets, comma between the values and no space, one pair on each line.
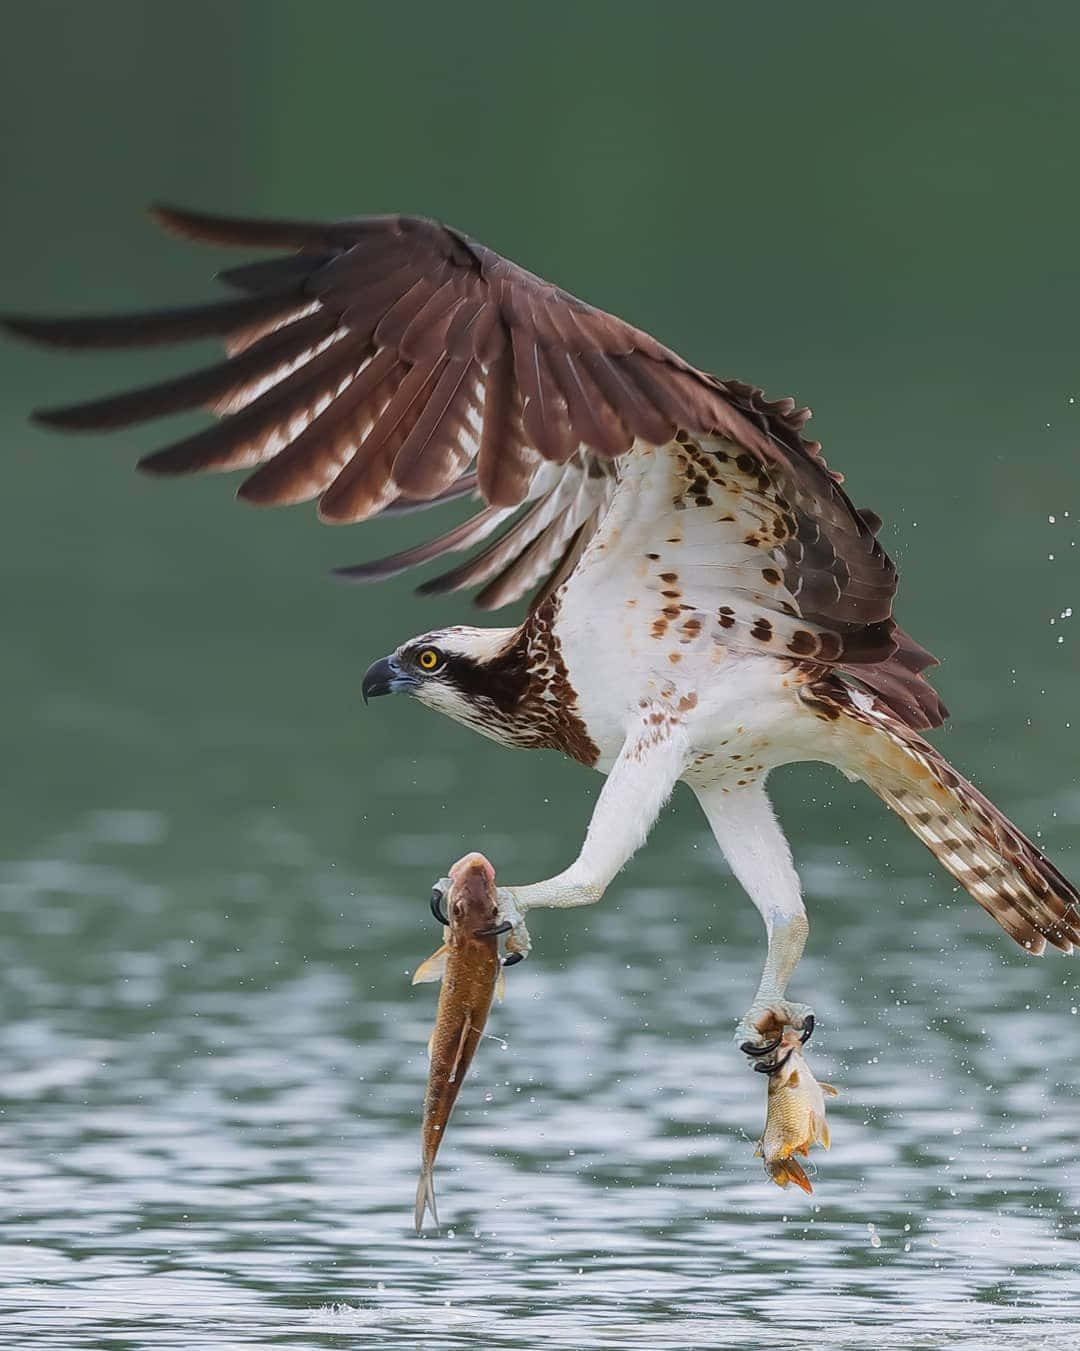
[785,1171]
[425,1197]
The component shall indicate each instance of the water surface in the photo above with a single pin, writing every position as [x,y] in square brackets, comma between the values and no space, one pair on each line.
[214,863]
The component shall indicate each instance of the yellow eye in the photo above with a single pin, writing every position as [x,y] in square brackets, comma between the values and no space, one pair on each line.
[428,659]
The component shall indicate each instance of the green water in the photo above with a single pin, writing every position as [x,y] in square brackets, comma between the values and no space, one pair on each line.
[216,861]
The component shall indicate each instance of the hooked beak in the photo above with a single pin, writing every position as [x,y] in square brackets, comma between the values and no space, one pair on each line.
[384,676]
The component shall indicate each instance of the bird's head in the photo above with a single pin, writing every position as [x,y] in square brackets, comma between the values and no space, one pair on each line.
[474,676]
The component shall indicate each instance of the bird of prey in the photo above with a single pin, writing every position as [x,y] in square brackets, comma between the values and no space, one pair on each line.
[706,601]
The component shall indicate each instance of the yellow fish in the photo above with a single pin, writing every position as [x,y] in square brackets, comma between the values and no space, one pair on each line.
[795,1116]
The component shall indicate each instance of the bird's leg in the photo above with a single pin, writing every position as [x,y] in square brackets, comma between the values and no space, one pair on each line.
[649,765]
[761,1027]
[757,852]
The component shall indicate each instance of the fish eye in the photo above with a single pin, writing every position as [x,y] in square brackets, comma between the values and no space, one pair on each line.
[429,659]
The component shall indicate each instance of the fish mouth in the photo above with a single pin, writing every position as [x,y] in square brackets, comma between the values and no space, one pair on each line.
[385,676]
[474,870]
[472,895]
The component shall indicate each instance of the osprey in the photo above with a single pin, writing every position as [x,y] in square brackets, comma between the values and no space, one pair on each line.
[708,603]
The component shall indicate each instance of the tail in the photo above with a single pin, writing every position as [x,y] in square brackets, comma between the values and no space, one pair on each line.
[994,861]
[425,1197]
[785,1171]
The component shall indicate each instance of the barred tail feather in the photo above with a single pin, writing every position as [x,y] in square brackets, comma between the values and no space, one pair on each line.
[990,857]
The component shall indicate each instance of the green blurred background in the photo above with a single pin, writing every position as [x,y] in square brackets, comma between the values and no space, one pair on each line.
[871,207]
[216,860]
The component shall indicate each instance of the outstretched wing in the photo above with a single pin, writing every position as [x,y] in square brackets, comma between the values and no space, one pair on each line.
[390,362]
[384,357]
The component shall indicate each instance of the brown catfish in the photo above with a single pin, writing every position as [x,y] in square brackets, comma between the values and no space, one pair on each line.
[469,965]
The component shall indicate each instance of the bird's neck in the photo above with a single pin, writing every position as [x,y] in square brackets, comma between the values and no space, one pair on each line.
[516,690]
[545,710]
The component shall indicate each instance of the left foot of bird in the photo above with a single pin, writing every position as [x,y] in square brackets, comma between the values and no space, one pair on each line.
[764,1023]
[510,925]
[438,900]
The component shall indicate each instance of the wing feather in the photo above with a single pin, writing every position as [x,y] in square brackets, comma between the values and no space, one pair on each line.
[220,385]
[268,424]
[182,324]
[435,454]
[316,457]
[528,565]
[387,360]
[463,536]
[505,465]
[366,483]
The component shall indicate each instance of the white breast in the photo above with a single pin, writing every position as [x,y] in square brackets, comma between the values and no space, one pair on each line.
[642,618]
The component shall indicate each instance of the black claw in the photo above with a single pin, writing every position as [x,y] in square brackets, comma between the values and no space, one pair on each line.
[437,906]
[512,959]
[498,931]
[750,1048]
[808,1029]
[764,1067]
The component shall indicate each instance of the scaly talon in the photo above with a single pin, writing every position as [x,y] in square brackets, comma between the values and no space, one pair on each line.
[512,916]
[774,1066]
[753,1049]
[496,932]
[761,1030]
[438,897]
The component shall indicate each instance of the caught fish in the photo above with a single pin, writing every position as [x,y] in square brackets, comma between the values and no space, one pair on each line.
[795,1117]
[469,966]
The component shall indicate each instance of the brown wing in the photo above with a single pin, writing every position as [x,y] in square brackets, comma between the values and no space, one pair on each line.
[391,362]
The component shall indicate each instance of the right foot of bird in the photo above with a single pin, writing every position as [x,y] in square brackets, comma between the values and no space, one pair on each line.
[762,1028]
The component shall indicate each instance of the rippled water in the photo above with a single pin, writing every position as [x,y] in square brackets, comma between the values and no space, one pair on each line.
[213,1080]
[215,864]
[215,881]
